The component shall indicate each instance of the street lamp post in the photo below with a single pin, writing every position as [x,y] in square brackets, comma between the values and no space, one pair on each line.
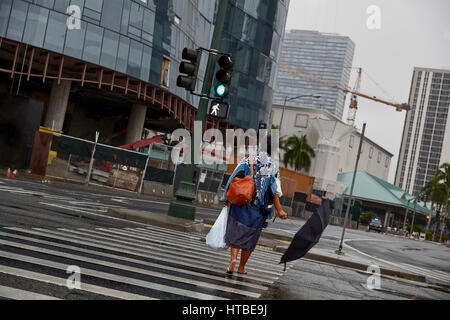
[286,99]
[339,251]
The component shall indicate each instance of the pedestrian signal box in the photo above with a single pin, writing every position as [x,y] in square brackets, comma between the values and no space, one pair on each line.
[219,109]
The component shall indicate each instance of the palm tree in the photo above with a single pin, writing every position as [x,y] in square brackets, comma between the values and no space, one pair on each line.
[298,153]
[437,189]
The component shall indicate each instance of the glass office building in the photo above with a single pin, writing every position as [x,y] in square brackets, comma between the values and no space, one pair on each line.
[329,56]
[143,40]
[426,133]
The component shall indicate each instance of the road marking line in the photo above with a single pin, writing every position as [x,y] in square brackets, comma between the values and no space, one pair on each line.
[63,283]
[269,267]
[17,294]
[400,266]
[142,262]
[191,261]
[111,277]
[200,242]
[124,267]
[199,246]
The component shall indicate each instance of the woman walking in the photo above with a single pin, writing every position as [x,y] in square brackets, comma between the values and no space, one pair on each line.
[246,222]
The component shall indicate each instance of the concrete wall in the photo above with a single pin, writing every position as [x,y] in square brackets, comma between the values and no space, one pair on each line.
[20,118]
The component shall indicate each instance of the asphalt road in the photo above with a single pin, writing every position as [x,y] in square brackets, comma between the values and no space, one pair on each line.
[46,227]
[33,204]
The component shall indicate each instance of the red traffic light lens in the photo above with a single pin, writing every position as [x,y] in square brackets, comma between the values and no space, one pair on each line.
[225,62]
[189,54]
[223,76]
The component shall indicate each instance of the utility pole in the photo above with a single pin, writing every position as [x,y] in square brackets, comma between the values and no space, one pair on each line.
[445,215]
[182,206]
[414,216]
[339,251]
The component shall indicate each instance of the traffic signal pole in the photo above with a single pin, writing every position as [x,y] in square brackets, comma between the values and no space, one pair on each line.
[182,206]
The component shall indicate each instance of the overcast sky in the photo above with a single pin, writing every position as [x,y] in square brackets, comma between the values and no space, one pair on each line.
[412,33]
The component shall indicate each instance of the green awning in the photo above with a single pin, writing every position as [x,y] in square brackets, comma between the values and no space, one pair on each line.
[370,188]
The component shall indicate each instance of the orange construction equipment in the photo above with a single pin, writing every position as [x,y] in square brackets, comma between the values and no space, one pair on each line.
[13,174]
[8,173]
[367,229]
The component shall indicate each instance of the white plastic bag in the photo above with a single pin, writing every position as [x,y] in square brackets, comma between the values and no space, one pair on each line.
[216,236]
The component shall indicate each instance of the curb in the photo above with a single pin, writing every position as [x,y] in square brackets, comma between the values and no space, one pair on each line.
[322,258]
[158,220]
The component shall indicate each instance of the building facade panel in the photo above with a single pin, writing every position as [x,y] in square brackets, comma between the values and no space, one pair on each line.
[144,40]
[426,128]
[328,56]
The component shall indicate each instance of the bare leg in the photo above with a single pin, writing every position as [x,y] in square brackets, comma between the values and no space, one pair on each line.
[233,259]
[245,255]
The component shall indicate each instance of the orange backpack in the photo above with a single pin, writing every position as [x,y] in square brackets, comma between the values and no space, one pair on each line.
[240,190]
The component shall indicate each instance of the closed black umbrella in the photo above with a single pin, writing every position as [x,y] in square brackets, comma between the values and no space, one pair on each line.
[308,235]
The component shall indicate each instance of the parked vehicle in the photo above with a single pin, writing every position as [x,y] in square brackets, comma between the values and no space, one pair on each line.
[376,225]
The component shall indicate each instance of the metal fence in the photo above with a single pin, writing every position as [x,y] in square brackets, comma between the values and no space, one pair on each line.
[89,162]
[84,161]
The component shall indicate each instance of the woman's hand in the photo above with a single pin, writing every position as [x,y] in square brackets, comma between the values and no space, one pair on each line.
[283,215]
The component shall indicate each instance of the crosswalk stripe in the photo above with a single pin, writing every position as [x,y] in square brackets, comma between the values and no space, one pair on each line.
[112,277]
[107,255]
[436,274]
[261,266]
[181,244]
[62,283]
[275,254]
[188,262]
[17,294]
[200,243]
[201,250]
[124,267]
[129,249]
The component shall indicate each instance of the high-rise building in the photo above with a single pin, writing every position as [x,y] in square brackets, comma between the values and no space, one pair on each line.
[112,65]
[328,56]
[426,133]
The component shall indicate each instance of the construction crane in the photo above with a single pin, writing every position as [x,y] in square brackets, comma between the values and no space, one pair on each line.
[355,91]
[353,108]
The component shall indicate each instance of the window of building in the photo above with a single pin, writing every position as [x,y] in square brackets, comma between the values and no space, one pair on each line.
[386,164]
[301,121]
[352,141]
[379,157]
[371,153]
[165,72]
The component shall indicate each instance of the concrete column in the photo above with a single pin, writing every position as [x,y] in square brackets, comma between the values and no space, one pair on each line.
[57,105]
[136,123]
[386,218]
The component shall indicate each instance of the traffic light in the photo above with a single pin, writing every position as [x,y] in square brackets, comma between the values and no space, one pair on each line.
[223,76]
[428,217]
[190,68]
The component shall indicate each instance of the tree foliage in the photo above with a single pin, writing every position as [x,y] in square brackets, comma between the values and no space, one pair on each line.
[298,153]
